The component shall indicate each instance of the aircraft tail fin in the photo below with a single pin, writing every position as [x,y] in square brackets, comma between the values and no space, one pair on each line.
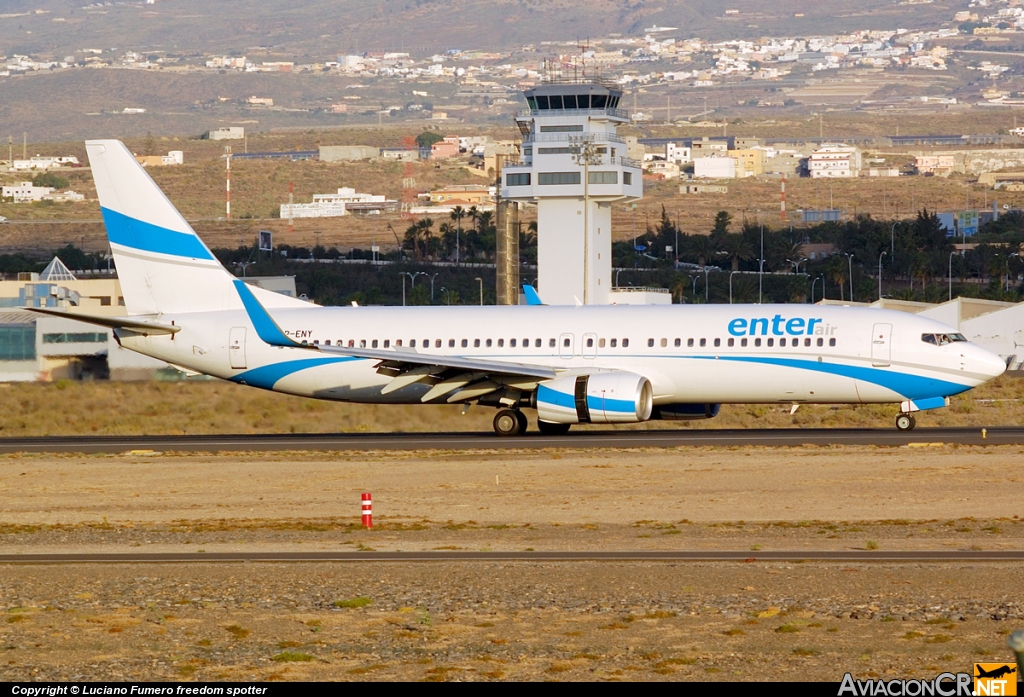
[531,295]
[162,264]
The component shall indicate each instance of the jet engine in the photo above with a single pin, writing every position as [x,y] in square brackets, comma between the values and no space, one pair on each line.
[600,398]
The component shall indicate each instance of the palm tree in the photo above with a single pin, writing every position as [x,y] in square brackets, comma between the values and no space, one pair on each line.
[736,249]
[702,247]
[449,238]
[425,233]
[457,214]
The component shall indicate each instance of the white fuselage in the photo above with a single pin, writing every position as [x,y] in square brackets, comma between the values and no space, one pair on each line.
[690,354]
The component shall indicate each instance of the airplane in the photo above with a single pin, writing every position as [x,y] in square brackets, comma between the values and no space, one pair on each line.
[995,673]
[571,365]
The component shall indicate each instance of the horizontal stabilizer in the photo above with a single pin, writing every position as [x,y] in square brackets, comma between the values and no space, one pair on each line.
[134,324]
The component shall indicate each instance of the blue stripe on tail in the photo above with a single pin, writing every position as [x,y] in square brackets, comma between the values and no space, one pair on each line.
[146,237]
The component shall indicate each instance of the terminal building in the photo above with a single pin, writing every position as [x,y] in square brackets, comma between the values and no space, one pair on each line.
[574,166]
[36,347]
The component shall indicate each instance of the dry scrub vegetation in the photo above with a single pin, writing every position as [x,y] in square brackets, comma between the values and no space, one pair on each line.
[216,407]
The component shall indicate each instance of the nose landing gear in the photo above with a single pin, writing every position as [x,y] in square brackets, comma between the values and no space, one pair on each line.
[510,422]
[905,422]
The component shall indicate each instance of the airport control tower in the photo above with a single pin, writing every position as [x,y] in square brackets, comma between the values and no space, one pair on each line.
[574,167]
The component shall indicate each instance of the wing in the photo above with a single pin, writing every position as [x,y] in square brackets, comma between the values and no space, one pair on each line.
[459,378]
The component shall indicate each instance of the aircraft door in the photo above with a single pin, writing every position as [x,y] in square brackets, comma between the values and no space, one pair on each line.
[566,345]
[236,347]
[881,345]
[590,345]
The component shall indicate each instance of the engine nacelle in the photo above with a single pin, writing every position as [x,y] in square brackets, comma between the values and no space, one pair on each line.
[685,412]
[600,398]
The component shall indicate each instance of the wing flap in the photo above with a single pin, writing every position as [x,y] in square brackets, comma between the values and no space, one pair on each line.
[471,364]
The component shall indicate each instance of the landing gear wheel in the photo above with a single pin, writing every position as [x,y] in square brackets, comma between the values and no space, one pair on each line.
[905,422]
[509,422]
[523,423]
[549,428]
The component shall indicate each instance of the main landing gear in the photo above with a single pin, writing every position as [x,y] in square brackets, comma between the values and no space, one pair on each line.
[510,422]
[905,422]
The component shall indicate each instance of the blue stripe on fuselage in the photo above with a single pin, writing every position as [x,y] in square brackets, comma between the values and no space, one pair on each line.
[267,376]
[910,386]
[134,233]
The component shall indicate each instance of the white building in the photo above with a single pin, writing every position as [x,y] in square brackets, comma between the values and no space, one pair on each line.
[574,166]
[834,160]
[345,202]
[714,167]
[25,192]
[39,162]
[227,133]
[679,154]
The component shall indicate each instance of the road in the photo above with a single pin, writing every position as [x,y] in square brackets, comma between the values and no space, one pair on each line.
[852,555]
[488,441]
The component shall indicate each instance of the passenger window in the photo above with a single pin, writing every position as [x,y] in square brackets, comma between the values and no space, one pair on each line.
[526,343]
[600,343]
[689,342]
[437,343]
[552,343]
[488,343]
[538,343]
[374,345]
[679,343]
[831,342]
[565,343]
[412,343]
[501,343]
[590,343]
[664,343]
[718,342]
[512,343]
[352,343]
[821,342]
[771,342]
[732,342]
[476,343]
[387,343]
[362,343]
[625,343]
[398,342]
[703,343]
[743,342]
[807,341]
[614,342]
[451,343]
[757,341]
[650,342]
[782,342]
[465,343]
[327,343]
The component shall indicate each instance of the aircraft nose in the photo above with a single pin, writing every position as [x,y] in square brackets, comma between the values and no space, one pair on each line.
[987,363]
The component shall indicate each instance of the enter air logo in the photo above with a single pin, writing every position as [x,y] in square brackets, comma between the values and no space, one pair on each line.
[780,326]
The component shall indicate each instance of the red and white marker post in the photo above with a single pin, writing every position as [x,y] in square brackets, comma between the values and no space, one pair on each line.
[367,510]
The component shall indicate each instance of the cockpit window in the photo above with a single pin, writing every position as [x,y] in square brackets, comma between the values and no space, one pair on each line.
[942,339]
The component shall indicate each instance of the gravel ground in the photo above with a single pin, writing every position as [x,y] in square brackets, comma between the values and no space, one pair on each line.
[525,621]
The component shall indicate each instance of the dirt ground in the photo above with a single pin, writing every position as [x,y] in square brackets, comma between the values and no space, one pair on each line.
[511,620]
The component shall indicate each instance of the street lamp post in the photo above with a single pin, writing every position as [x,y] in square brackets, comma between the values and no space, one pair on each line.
[730,285]
[814,283]
[849,259]
[760,267]
[880,275]
[693,283]
[412,285]
[951,274]
[447,295]
[481,282]
[1015,254]
[706,299]
[431,284]
[892,242]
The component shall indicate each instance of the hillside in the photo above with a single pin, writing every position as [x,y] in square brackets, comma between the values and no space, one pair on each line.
[321,28]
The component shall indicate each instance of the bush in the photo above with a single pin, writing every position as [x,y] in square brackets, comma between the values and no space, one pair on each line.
[50,179]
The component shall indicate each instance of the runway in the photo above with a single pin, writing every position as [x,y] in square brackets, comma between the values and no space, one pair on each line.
[604,439]
[851,555]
